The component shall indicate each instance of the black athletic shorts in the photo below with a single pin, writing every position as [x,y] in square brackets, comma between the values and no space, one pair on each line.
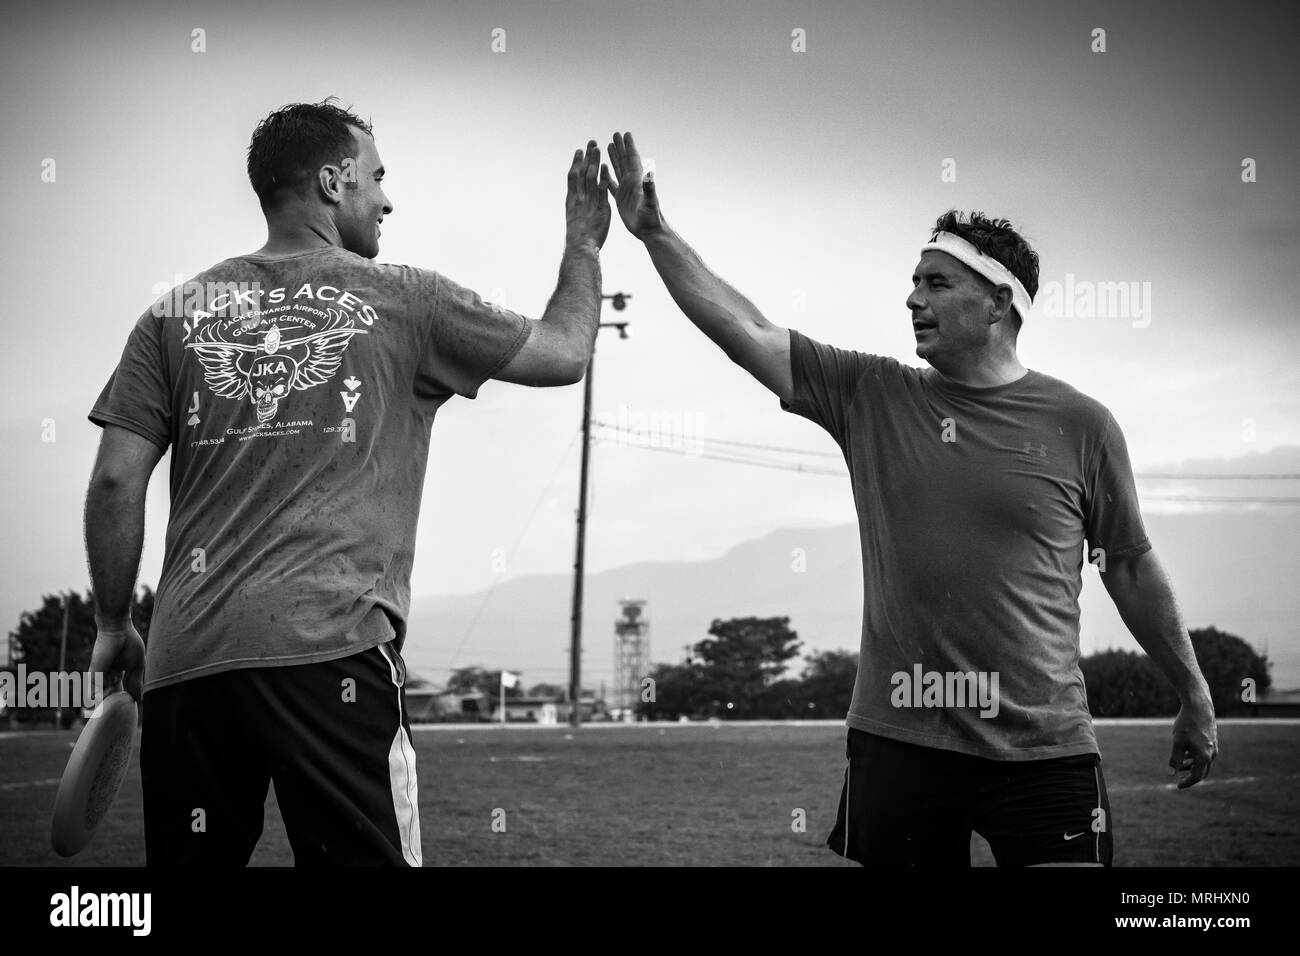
[333,736]
[907,805]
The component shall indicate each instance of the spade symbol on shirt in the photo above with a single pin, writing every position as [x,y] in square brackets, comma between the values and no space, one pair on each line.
[350,401]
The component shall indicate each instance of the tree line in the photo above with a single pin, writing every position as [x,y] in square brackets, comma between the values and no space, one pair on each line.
[738,672]
[38,641]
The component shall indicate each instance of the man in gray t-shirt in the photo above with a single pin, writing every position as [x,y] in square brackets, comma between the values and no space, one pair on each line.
[296,387]
[978,485]
[973,507]
[299,422]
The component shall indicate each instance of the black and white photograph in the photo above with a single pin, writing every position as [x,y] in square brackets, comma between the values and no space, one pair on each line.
[686,438]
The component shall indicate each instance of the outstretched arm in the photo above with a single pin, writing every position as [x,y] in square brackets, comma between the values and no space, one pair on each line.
[559,345]
[717,309]
[1145,599]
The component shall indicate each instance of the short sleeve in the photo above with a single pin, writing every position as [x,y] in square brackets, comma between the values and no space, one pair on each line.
[825,380]
[467,341]
[138,395]
[1113,521]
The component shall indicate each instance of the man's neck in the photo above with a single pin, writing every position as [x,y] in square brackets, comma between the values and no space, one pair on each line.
[982,371]
[290,238]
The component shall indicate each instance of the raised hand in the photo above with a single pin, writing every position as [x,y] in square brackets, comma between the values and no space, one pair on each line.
[635,195]
[586,207]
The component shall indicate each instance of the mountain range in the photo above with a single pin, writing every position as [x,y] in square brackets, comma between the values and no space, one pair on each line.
[1233,566]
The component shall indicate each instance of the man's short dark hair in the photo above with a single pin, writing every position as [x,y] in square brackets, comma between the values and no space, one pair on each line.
[996,238]
[291,145]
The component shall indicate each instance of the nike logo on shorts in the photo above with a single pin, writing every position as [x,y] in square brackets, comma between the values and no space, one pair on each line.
[1071,836]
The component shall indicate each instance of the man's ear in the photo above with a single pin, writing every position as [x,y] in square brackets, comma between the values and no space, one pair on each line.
[330,181]
[1001,296]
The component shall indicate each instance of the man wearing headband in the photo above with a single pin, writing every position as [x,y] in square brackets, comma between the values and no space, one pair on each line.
[978,484]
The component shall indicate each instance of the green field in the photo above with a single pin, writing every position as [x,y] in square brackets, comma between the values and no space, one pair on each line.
[665,795]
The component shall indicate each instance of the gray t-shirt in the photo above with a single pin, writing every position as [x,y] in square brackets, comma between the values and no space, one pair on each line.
[973,506]
[297,396]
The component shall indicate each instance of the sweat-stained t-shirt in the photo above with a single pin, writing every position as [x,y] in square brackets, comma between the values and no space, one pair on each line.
[973,506]
[297,396]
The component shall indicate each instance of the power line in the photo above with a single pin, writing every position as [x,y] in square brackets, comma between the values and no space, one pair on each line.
[1193,476]
[734,444]
[813,470]
[758,462]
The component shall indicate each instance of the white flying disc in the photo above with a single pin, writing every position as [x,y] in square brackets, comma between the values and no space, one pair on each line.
[94,774]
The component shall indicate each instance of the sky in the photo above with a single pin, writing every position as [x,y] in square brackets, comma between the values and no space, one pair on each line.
[803,149]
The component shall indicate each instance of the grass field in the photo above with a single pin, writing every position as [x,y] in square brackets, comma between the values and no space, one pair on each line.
[670,795]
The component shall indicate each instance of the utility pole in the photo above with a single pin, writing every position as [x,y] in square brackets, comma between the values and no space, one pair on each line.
[63,661]
[575,641]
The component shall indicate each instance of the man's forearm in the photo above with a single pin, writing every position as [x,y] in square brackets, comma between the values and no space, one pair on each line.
[114,540]
[717,309]
[574,308]
[1145,600]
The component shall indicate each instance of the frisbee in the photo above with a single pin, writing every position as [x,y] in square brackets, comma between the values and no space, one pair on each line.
[94,774]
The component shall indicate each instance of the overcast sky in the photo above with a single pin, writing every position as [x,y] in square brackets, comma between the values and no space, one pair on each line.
[807,179]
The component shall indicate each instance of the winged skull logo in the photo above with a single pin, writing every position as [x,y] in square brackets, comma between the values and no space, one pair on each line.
[266,373]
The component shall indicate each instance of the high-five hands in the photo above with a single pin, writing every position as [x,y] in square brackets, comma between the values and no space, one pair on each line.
[586,207]
[638,203]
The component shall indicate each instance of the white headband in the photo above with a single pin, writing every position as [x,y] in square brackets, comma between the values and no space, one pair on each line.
[987,266]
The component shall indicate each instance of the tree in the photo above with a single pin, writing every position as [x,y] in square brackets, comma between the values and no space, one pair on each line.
[469,680]
[39,633]
[547,690]
[827,683]
[739,665]
[1227,662]
[784,699]
[1126,684]
[465,680]
[742,660]
[1129,684]
[677,693]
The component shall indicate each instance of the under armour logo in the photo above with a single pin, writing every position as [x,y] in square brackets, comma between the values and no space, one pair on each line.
[1031,449]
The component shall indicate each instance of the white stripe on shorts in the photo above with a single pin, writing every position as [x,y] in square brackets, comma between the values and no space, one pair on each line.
[848,804]
[1096,844]
[401,772]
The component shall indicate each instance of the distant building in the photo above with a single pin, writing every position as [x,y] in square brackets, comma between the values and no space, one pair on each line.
[427,702]
[553,710]
[433,706]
